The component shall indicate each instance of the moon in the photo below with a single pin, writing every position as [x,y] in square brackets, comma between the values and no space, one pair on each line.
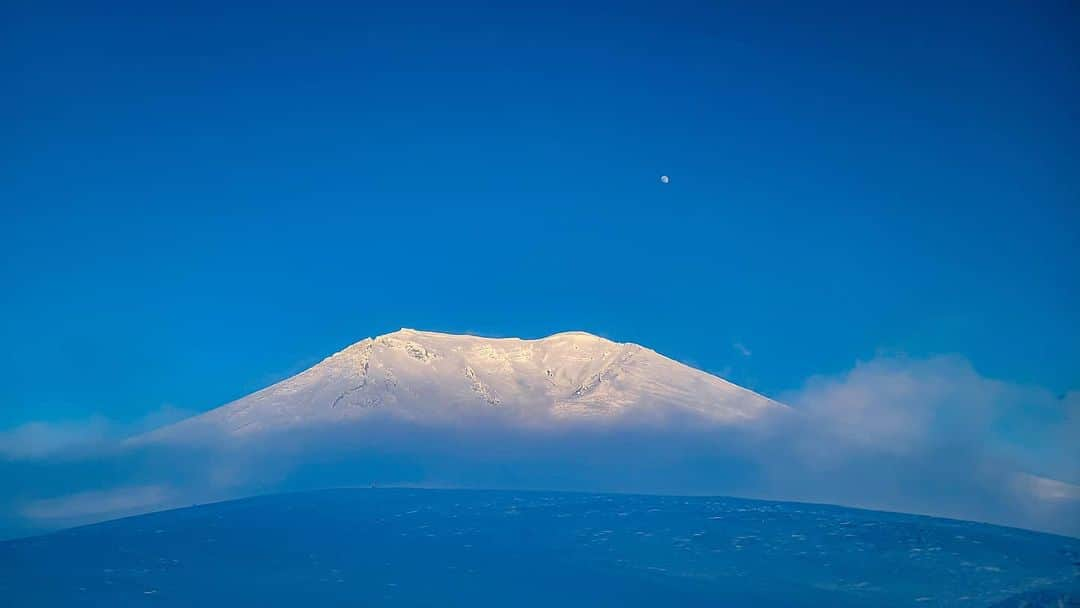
[664,179]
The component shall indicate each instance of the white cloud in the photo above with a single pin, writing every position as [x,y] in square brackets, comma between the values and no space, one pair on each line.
[35,440]
[899,405]
[932,436]
[73,438]
[97,504]
[1046,489]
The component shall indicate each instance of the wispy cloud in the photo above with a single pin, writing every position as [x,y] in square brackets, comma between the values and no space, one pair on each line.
[97,503]
[43,439]
[72,438]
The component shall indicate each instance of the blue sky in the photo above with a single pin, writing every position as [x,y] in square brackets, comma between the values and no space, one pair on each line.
[199,201]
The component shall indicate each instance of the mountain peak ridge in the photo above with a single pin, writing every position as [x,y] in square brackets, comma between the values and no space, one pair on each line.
[439,334]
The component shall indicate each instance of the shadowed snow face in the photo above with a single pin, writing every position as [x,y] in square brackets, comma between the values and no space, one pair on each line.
[577,412]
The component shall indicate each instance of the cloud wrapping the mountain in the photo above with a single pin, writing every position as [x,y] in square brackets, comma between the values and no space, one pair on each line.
[72,438]
[93,504]
[906,407]
[934,436]
[917,435]
[35,440]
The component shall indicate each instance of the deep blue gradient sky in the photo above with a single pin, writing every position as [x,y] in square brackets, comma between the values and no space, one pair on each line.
[199,201]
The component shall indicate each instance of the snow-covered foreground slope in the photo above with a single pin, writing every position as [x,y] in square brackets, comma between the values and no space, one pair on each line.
[398,547]
[430,376]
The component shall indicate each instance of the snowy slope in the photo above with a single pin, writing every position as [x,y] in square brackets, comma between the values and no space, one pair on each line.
[409,547]
[429,376]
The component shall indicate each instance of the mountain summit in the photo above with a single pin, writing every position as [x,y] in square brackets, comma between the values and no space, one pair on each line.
[428,375]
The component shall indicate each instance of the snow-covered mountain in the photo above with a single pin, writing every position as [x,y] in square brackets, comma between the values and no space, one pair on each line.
[432,376]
